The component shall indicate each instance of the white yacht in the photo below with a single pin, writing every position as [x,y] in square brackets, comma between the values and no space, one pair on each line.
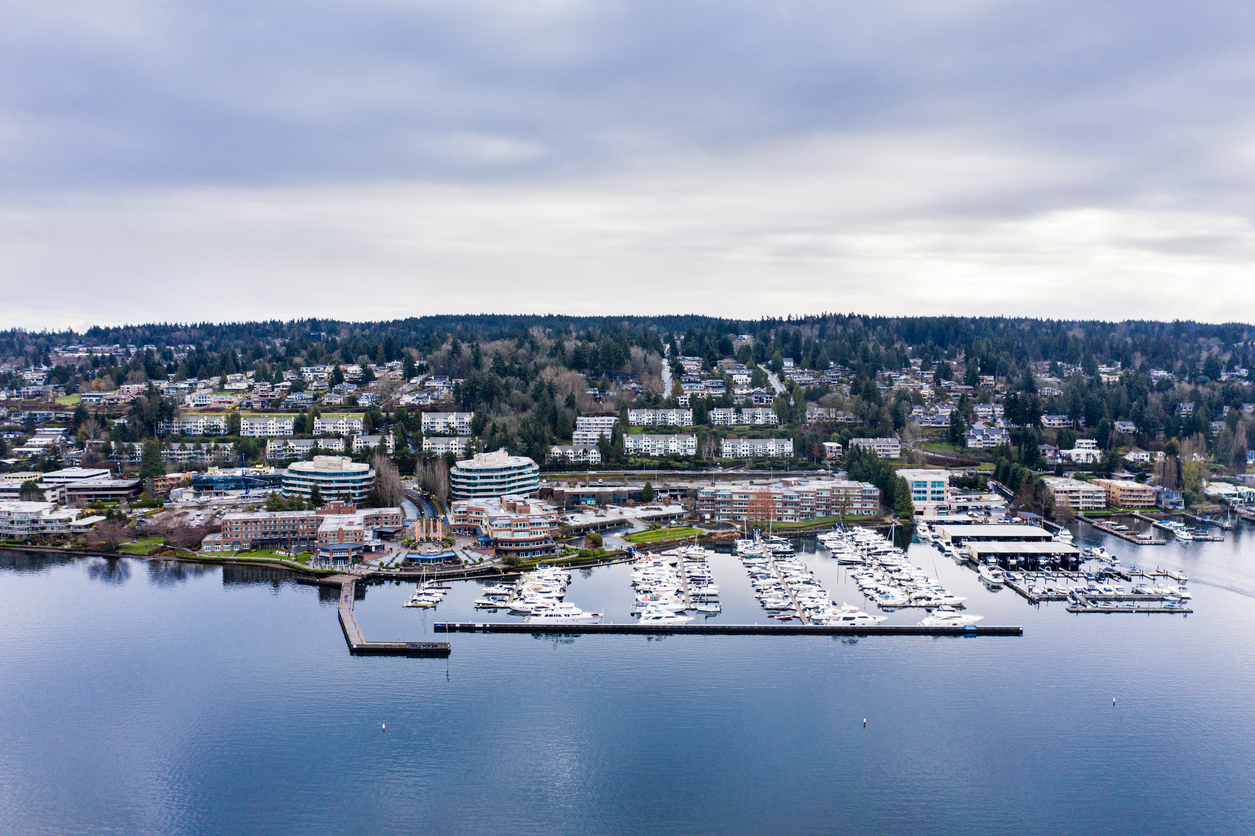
[991,575]
[946,617]
[563,613]
[655,615]
[1183,534]
[854,619]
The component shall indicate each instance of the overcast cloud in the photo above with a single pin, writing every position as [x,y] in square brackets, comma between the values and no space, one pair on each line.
[382,158]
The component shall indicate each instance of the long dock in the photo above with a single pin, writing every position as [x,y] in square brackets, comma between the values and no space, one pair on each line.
[724,629]
[358,645]
[1175,610]
[1123,535]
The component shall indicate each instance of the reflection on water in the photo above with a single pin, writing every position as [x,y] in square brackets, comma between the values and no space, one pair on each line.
[174,572]
[113,570]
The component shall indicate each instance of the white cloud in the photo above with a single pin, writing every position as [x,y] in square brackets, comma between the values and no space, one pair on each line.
[944,223]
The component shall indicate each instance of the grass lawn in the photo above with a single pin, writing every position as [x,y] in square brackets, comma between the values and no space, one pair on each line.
[677,533]
[69,400]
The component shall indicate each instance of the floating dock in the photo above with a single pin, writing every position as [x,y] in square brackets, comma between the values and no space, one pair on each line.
[1128,536]
[358,645]
[1175,610]
[724,629]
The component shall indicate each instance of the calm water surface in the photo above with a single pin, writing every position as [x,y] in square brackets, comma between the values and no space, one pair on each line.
[160,698]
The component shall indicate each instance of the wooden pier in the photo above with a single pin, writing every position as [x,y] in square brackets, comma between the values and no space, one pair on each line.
[1123,535]
[358,645]
[1147,610]
[724,629]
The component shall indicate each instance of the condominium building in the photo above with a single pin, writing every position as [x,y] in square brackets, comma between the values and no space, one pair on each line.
[494,475]
[288,449]
[1082,496]
[660,445]
[885,448]
[338,425]
[756,448]
[266,426]
[759,416]
[660,417]
[447,423]
[196,452]
[513,525]
[1123,493]
[194,425]
[789,500]
[336,477]
[331,524]
[362,443]
[19,520]
[599,424]
[440,444]
[575,453]
[722,417]
[930,489]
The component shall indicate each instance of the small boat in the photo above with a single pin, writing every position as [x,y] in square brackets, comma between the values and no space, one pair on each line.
[991,575]
[654,615]
[945,617]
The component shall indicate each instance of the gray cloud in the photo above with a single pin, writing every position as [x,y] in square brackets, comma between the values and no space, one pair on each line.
[779,151]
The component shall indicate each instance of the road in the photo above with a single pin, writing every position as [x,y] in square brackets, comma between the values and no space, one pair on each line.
[775,382]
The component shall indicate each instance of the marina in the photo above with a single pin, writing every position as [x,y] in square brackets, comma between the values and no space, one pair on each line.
[729,629]
[359,646]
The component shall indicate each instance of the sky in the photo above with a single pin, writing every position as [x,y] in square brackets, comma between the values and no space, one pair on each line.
[377,159]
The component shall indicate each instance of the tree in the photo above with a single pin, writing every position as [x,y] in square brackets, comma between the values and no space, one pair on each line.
[958,429]
[29,491]
[388,481]
[315,498]
[150,464]
[647,492]
[903,508]
[106,536]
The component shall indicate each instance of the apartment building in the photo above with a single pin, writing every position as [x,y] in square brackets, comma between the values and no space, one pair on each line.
[789,500]
[885,448]
[602,425]
[447,423]
[575,453]
[660,417]
[660,445]
[194,425]
[756,448]
[1123,493]
[930,489]
[1082,496]
[338,425]
[513,525]
[289,449]
[267,426]
[441,444]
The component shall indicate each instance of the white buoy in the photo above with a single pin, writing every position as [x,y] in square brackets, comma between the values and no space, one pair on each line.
[864,722]
[1113,700]
[385,726]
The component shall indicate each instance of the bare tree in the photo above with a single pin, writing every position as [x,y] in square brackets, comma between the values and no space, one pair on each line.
[107,535]
[388,481]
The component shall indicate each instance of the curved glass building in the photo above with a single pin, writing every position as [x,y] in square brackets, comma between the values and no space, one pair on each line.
[494,475]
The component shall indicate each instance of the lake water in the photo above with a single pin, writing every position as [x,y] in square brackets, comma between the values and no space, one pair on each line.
[162,698]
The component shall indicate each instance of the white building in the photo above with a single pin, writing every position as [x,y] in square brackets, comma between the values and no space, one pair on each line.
[266,426]
[885,448]
[759,417]
[660,417]
[372,442]
[34,519]
[930,489]
[288,449]
[447,423]
[601,425]
[337,425]
[660,445]
[575,453]
[494,475]
[1082,496]
[441,444]
[757,448]
[194,425]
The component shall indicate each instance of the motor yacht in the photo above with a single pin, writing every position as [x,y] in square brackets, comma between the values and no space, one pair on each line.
[562,613]
[656,615]
[854,619]
[946,617]
[991,575]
